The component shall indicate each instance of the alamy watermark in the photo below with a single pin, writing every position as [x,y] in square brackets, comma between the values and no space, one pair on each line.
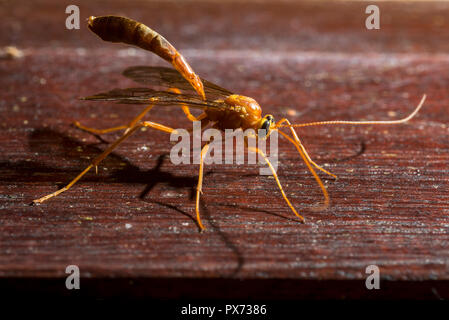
[372,22]
[180,153]
[373,280]
[73,20]
[73,279]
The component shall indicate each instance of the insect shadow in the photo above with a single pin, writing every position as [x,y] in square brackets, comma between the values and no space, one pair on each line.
[56,145]
[362,149]
[223,235]
[226,240]
[47,141]
[254,209]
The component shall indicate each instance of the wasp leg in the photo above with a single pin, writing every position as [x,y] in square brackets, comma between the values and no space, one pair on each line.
[300,149]
[190,116]
[158,126]
[200,186]
[186,109]
[94,163]
[304,149]
[101,157]
[131,124]
[161,127]
[273,171]
[98,131]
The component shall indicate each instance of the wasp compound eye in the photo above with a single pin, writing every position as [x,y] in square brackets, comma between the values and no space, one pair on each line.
[265,127]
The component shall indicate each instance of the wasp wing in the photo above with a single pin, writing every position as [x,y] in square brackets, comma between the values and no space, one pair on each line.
[170,78]
[150,96]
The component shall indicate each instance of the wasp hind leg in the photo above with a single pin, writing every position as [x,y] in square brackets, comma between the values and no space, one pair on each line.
[131,124]
[105,153]
[94,163]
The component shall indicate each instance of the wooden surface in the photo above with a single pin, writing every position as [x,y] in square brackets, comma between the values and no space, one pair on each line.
[135,219]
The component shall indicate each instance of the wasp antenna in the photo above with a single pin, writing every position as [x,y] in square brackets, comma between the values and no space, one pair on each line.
[319,123]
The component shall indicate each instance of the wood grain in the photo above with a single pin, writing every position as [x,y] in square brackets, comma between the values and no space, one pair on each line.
[307,61]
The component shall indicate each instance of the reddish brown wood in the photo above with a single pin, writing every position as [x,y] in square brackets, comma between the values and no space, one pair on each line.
[308,61]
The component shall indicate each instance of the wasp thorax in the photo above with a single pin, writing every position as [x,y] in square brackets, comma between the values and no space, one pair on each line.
[247,107]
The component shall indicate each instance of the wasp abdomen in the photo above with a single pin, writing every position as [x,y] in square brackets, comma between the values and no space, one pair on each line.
[121,29]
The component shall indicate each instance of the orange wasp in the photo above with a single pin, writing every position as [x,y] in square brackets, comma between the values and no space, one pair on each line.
[221,108]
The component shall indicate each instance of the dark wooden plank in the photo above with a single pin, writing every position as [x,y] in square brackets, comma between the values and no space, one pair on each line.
[308,61]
